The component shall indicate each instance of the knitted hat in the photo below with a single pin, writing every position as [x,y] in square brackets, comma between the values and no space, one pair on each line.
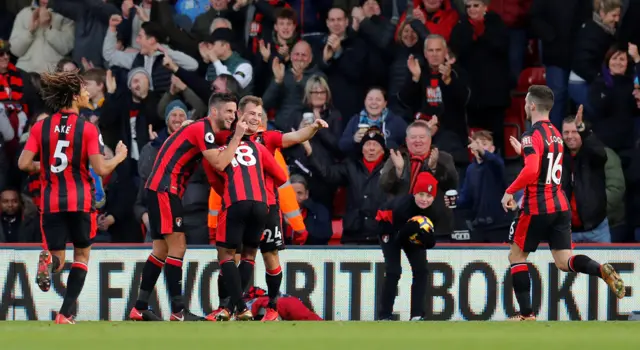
[135,71]
[374,134]
[173,105]
[426,183]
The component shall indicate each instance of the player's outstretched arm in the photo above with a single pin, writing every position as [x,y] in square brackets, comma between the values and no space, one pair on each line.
[303,134]
[103,166]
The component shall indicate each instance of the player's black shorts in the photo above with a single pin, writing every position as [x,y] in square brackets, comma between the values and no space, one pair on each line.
[527,231]
[77,227]
[241,223]
[165,213]
[272,235]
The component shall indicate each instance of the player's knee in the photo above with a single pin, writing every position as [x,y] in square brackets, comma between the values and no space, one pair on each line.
[516,257]
[159,249]
[81,255]
[225,254]
[562,265]
[249,253]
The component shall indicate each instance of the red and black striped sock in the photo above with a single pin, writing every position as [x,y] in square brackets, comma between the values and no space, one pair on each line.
[584,264]
[522,287]
[150,273]
[173,271]
[75,282]
[245,268]
[274,280]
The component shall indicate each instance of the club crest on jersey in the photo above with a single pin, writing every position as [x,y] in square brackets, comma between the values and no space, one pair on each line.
[527,142]
[209,137]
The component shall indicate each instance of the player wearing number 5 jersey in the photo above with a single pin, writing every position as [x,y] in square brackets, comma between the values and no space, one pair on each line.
[545,212]
[244,213]
[174,165]
[66,144]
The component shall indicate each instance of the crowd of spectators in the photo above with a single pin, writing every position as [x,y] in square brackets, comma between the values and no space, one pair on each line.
[371,69]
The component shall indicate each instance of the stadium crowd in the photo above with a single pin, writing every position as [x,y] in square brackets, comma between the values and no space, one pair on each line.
[370,69]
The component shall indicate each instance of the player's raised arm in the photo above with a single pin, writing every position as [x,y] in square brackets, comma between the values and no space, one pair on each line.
[532,148]
[303,134]
[103,166]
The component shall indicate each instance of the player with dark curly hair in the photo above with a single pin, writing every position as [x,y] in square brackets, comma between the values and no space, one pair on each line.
[66,144]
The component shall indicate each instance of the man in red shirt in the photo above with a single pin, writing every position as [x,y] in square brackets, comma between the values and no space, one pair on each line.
[545,213]
[67,144]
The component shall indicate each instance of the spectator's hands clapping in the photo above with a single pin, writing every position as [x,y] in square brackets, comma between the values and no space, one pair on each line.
[397,160]
[86,64]
[142,14]
[152,134]
[358,16]
[35,20]
[445,69]
[278,70]
[298,71]
[433,124]
[114,22]
[126,7]
[45,17]
[433,159]
[633,52]
[204,52]
[335,42]
[283,51]
[327,52]
[110,82]
[265,51]
[419,15]
[414,67]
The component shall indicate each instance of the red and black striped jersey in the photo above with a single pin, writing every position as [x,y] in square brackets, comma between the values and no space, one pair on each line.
[179,156]
[244,178]
[64,142]
[541,177]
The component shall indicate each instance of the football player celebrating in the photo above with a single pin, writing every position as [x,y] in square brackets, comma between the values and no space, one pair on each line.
[405,225]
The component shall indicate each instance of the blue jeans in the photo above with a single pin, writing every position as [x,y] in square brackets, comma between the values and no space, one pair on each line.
[558,81]
[600,234]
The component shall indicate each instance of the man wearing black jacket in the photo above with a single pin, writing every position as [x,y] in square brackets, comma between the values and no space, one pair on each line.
[402,228]
[583,180]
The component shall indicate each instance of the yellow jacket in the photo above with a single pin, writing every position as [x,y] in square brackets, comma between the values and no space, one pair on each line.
[286,199]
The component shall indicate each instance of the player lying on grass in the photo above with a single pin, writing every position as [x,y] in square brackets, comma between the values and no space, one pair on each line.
[289,308]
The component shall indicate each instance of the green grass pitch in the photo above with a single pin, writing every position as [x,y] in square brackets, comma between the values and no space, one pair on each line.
[321,335]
